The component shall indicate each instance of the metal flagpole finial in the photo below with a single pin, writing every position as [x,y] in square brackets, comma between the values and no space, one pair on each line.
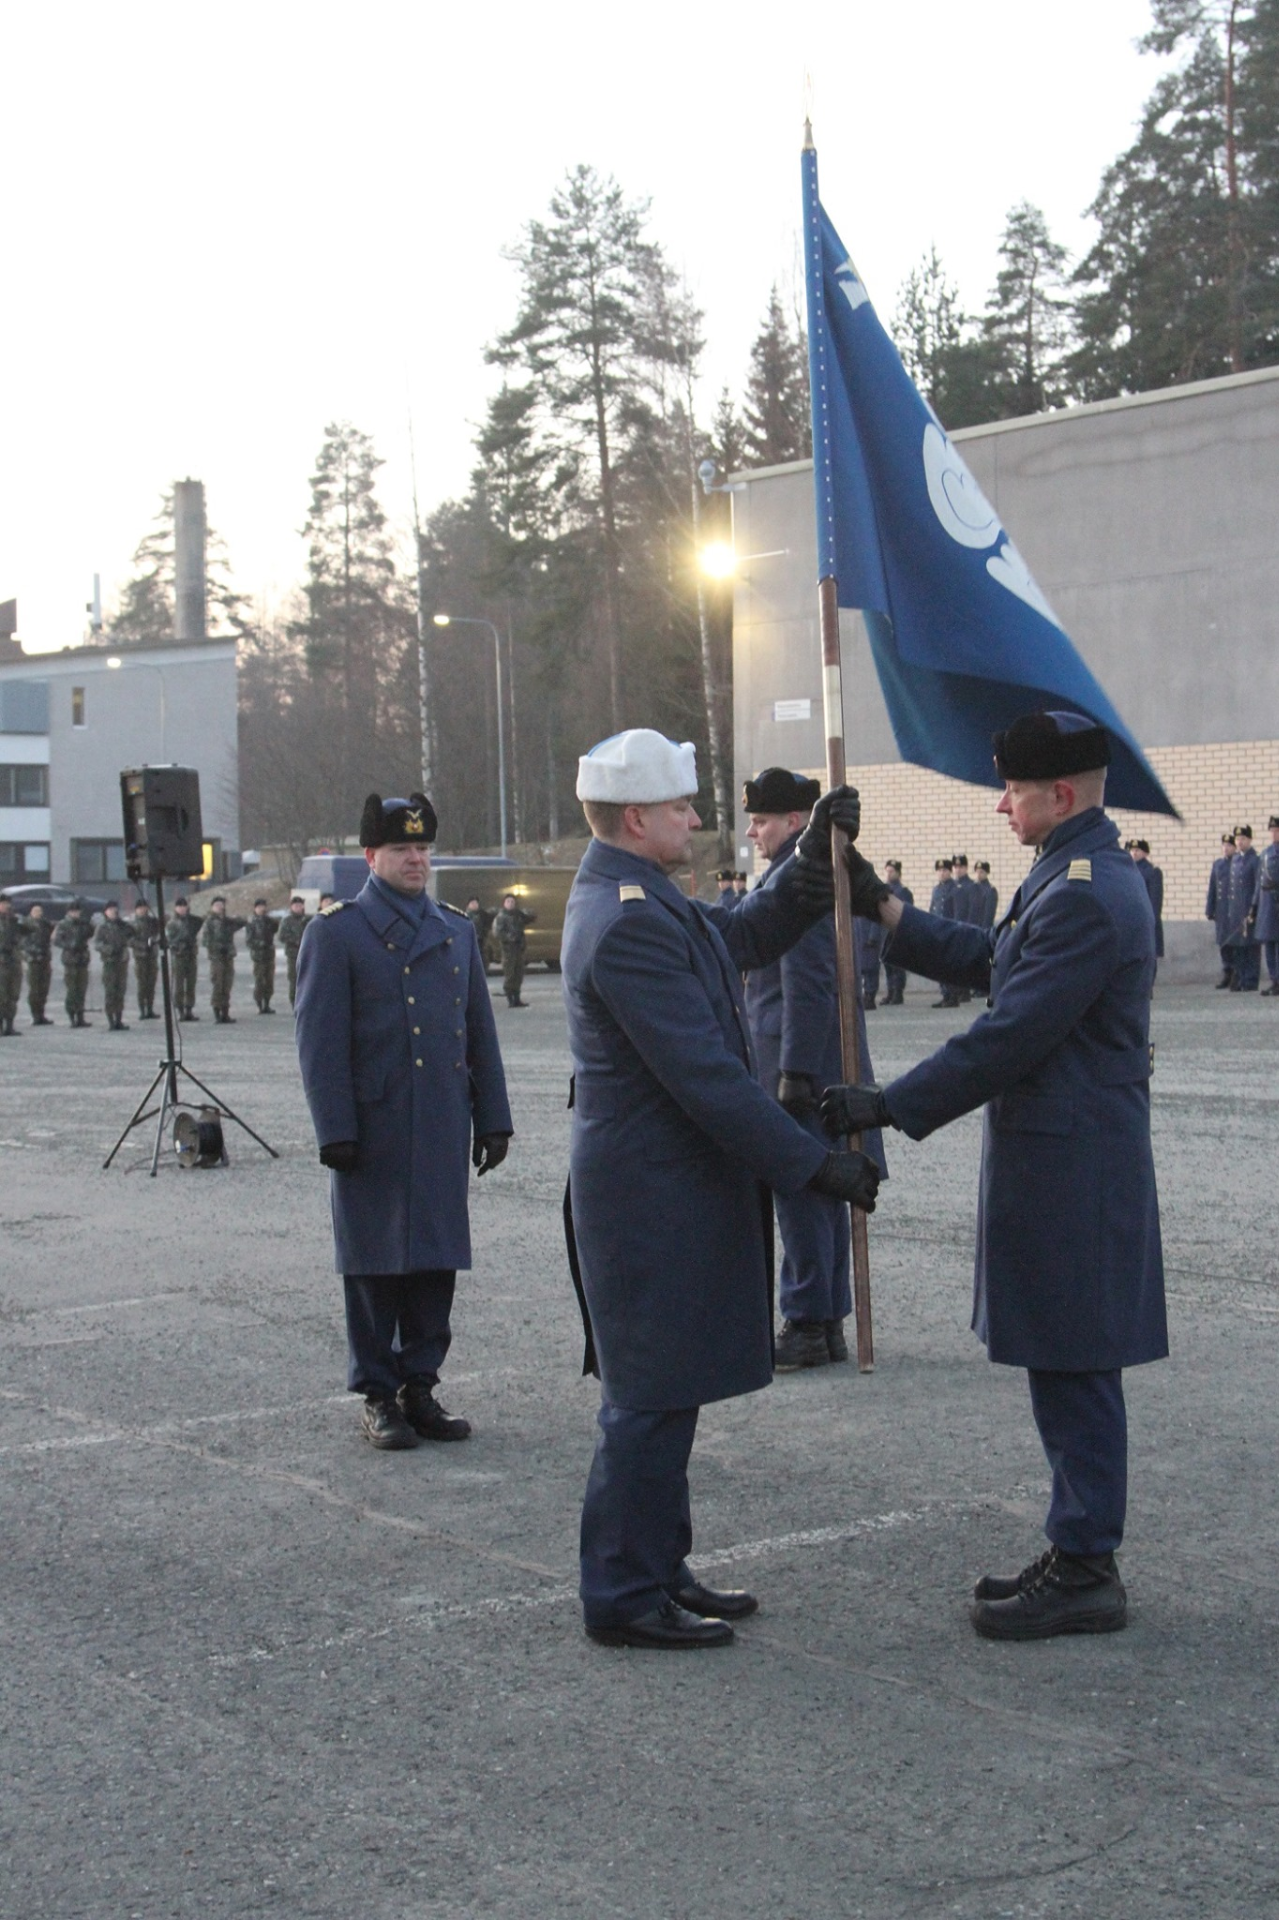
[810,146]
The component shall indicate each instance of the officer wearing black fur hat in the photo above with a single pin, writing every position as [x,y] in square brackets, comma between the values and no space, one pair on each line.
[1069,1279]
[793,1008]
[404,1080]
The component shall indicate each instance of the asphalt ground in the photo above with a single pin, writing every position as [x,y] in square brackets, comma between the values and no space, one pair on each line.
[250,1666]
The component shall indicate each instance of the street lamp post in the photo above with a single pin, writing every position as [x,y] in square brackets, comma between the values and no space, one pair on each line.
[466,620]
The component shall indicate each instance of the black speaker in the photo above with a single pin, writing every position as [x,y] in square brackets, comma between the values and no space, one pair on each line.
[163,835]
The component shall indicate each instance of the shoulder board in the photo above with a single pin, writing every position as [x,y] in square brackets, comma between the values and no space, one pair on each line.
[334,906]
[450,908]
[1079,870]
[631,893]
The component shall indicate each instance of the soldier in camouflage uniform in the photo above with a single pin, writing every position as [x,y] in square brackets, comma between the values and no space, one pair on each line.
[218,936]
[71,937]
[508,930]
[113,939]
[144,938]
[37,943]
[184,955]
[10,967]
[259,938]
[289,934]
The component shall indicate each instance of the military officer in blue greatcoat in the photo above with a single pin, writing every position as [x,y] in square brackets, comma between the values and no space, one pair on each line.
[1217,907]
[672,1138]
[1241,914]
[793,1008]
[894,976]
[404,1080]
[1267,927]
[1069,1280]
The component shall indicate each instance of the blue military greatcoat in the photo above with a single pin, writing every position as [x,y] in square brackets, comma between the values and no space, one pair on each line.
[1069,1266]
[399,1052]
[1241,899]
[1217,906]
[672,1131]
[1153,881]
[1267,927]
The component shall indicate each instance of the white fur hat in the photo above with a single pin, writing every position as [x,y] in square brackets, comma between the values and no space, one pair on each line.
[636,768]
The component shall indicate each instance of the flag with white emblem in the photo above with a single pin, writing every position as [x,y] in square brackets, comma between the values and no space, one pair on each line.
[962,637]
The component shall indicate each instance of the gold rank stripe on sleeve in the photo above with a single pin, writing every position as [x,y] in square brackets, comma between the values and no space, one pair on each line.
[1079,870]
[450,908]
[631,893]
[334,906]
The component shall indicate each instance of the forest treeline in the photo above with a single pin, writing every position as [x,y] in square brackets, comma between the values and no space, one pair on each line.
[577,535]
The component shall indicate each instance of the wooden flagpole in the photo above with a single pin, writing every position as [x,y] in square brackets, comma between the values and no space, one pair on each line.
[833,703]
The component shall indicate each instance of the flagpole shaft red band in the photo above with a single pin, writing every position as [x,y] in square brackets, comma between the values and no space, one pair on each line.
[845,946]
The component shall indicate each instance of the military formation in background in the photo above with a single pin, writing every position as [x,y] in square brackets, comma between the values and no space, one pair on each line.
[1244,911]
[968,899]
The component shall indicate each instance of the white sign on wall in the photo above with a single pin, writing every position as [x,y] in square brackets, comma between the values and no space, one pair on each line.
[792,710]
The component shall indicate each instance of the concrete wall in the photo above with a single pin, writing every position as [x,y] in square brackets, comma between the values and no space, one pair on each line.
[160,704]
[1150,525]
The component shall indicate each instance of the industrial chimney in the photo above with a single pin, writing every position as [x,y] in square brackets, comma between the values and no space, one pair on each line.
[189,539]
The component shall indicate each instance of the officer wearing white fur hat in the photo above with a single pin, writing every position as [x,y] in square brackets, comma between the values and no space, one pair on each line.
[674,1144]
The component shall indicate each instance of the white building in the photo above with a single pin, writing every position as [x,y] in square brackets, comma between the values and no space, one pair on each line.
[70,722]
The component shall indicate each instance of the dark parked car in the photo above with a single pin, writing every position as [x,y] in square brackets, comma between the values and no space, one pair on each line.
[54,900]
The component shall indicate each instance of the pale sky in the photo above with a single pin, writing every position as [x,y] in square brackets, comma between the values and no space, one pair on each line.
[224,226]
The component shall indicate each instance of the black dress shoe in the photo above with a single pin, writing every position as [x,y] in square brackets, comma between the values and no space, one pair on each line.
[836,1344]
[426,1416]
[801,1343]
[384,1426]
[668,1626]
[713,1604]
[1003,1586]
[1071,1593]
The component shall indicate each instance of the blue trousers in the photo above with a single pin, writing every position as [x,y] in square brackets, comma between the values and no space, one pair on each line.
[870,982]
[1083,1426]
[636,1525]
[894,981]
[816,1247]
[397,1328]
[1271,950]
[1247,962]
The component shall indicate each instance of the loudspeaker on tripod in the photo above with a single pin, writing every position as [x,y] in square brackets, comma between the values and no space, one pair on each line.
[163,832]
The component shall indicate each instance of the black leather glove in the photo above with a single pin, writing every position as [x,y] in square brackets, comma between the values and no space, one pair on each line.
[797,1092]
[841,807]
[489,1151]
[848,1176]
[865,889]
[848,1110]
[342,1155]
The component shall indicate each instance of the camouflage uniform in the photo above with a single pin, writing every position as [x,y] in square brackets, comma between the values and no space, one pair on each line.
[113,939]
[218,936]
[37,945]
[184,959]
[72,937]
[508,928]
[144,938]
[259,938]
[289,934]
[10,967]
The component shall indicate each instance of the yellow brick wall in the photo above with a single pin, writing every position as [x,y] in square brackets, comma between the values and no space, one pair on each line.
[914,816]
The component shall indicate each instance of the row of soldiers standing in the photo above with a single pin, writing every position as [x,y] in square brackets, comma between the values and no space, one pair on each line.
[28,942]
[967,898]
[1243,904]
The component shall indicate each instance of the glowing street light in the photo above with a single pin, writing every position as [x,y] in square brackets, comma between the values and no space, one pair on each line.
[717,560]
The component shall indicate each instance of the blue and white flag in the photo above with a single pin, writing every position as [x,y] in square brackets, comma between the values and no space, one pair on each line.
[962,637]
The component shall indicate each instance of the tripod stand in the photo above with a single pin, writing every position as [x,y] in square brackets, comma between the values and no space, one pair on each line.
[171,1066]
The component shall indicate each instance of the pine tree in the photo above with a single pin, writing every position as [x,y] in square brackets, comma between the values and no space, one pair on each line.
[579,335]
[1027,323]
[957,374]
[778,426]
[1180,284]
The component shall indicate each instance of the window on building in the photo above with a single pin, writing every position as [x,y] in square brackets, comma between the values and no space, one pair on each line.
[77,706]
[19,862]
[24,786]
[94,860]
